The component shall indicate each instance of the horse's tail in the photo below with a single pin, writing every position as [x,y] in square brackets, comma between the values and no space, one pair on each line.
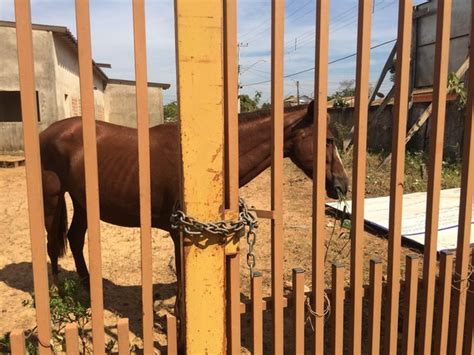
[61,224]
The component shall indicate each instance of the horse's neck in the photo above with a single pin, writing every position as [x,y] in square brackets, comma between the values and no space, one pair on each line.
[255,145]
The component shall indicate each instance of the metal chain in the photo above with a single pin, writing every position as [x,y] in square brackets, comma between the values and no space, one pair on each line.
[191,226]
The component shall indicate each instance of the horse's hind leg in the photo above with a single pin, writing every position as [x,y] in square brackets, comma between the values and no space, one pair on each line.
[76,235]
[55,218]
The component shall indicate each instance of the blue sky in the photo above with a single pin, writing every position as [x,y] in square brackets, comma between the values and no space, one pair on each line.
[112,39]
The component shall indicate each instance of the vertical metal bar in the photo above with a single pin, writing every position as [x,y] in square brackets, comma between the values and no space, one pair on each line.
[298,311]
[444,302]
[465,213]
[402,82]
[337,309]
[33,171]
[122,335]
[91,173]
[199,43]
[233,273]
[319,169]
[172,338]
[436,140]
[358,181]
[375,305]
[72,339]
[143,124]
[17,342]
[232,170]
[278,20]
[409,313]
[257,314]
[230,108]
[469,332]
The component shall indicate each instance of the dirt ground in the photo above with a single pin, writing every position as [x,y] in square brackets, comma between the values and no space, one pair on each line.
[121,254]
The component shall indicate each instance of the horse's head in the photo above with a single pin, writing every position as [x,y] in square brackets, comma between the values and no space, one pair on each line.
[301,153]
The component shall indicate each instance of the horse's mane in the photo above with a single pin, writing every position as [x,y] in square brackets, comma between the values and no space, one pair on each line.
[250,116]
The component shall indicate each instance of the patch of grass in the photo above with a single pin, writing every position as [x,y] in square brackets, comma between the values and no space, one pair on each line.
[416,173]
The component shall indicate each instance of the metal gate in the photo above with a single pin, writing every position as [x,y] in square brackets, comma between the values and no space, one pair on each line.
[207,87]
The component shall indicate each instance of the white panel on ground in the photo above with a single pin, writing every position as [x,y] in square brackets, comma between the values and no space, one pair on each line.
[414,216]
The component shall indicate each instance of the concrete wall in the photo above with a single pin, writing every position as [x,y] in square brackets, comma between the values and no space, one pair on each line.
[58,87]
[120,104]
[11,137]
[68,85]
[380,131]
[425,37]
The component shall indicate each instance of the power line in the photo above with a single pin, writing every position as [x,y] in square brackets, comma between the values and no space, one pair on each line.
[331,62]
[342,24]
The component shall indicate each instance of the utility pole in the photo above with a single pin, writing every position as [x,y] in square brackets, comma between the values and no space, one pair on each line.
[297,92]
[239,45]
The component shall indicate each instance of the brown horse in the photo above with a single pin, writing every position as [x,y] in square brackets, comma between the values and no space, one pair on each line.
[62,158]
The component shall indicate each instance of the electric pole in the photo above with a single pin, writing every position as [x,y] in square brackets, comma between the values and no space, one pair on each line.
[239,45]
[297,92]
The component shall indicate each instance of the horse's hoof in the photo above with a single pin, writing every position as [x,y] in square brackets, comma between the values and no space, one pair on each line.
[55,280]
[86,283]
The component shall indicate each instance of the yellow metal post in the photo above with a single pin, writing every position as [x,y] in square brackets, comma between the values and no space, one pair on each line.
[199,36]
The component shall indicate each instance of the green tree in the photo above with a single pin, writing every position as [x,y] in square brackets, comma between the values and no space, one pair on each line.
[170,111]
[346,88]
[266,106]
[249,104]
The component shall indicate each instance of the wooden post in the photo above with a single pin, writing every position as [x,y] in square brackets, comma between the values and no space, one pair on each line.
[199,36]
[33,170]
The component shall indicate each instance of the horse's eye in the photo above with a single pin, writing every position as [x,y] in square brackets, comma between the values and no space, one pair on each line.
[329,141]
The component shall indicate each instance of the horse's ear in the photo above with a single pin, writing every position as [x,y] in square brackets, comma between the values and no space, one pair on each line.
[310,112]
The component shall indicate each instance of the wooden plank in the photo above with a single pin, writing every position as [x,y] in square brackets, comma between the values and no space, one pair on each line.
[72,339]
[401,91]
[319,170]
[337,309]
[172,338]
[465,215]
[143,124]
[277,110]
[231,102]
[469,322]
[257,314]
[434,175]
[264,214]
[233,287]
[427,112]
[33,171]
[122,336]
[444,302]
[199,36]
[411,297]
[347,143]
[17,342]
[375,311]
[358,182]
[91,174]
[9,161]
[298,311]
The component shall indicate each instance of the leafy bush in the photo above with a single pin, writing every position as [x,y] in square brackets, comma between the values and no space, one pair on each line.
[69,303]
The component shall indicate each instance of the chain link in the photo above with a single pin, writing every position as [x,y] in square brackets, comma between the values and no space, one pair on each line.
[191,226]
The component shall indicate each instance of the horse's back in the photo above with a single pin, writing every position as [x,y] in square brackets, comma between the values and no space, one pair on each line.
[117,154]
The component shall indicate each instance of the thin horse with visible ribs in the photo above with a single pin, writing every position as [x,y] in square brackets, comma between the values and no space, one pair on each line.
[62,159]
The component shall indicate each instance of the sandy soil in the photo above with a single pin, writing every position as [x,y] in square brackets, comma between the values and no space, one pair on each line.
[121,254]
